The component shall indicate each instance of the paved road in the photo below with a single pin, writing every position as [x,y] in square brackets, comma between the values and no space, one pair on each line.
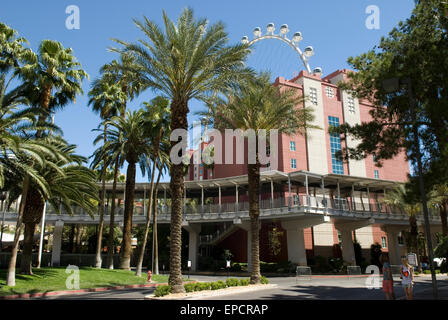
[288,288]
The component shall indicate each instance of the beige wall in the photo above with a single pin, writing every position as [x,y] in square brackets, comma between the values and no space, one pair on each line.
[316,139]
[356,167]
[323,234]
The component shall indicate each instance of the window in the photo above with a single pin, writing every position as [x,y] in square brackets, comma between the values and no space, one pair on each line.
[351,104]
[292,146]
[383,242]
[329,92]
[335,147]
[313,95]
[268,150]
[377,175]
[400,240]
[339,237]
[374,158]
[293,163]
[295,200]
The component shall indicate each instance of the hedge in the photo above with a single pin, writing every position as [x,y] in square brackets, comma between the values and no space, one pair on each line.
[200,286]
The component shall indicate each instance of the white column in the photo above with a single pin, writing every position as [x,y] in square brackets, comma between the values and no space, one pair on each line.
[144,200]
[57,241]
[193,244]
[323,193]
[392,245]
[289,191]
[164,200]
[42,235]
[348,251]
[296,242]
[236,198]
[353,197]
[368,198]
[307,191]
[219,197]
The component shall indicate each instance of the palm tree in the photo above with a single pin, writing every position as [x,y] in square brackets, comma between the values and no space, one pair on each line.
[68,183]
[258,105]
[401,198]
[127,139]
[106,98]
[157,121]
[55,75]
[54,78]
[438,197]
[125,74]
[189,60]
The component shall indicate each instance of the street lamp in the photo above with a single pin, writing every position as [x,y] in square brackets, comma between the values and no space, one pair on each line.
[390,86]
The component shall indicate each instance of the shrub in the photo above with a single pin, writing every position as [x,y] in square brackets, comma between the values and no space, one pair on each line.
[204,286]
[244,282]
[218,285]
[162,290]
[444,267]
[232,282]
[264,280]
[190,287]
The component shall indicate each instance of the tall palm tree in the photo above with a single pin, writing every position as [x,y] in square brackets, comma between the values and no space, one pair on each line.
[188,60]
[54,78]
[162,167]
[439,197]
[258,105]
[125,74]
[106,98]
[55,74]
[68,183]
[157,121]
[129,140]
[401,198]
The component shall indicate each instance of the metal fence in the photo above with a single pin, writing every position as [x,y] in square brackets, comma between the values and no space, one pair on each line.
[303,273]
[353,270]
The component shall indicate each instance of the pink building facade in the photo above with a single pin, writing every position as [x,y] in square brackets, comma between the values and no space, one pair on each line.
[351,183]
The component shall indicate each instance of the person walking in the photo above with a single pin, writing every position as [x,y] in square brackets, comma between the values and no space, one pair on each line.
[407,277]
[388,281]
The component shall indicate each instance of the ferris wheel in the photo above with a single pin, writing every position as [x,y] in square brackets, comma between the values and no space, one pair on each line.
[304,55]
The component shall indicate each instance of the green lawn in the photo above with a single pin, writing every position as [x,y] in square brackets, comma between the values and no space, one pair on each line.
[53,279]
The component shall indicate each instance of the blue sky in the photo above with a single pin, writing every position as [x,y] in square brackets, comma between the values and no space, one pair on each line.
[336,30]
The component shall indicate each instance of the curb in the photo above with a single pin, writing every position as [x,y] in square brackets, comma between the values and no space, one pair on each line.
[213,293]
[65,292]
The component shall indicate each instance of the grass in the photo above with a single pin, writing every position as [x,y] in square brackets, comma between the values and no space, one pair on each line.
[53,279]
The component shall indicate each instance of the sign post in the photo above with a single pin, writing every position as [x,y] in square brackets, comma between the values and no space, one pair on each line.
[412,259]
[189,266]
[228,267]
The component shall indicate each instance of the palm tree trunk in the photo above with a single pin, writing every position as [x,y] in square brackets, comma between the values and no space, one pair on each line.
[11,279]
[253,176]
[110,241]
[413,235]
[125,259]
[155,246]
[443,218]
[179,111]
[99,241]
[148,219]
[32,215]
